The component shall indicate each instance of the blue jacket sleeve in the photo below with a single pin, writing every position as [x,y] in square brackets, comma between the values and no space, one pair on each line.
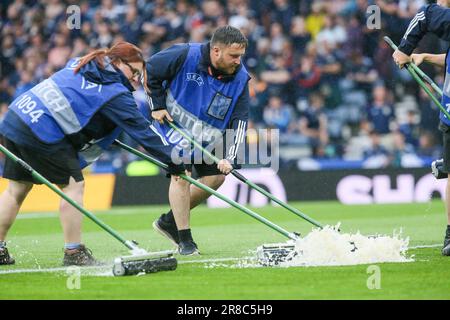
[161,69]
[431,18]
[238,123]
[123,111]
[92,151]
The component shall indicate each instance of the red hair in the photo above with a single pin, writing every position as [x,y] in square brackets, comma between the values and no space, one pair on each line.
[122,51]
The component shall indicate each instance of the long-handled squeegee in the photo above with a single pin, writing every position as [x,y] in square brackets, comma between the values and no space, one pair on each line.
[245,180]
[140,261]
[267,254]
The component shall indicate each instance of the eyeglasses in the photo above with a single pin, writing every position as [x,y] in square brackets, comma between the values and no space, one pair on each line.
[134,71]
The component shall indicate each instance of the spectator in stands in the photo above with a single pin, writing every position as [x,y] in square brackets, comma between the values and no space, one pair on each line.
[376,155]
[361,71]
[283,13]
[277,38]
[410,129]
[259,97]
[3,109]
[315,20]
[8,54]
[278,114]
[314,123]
[382,55]
[60,53]
[25,84]
[6,91]
[428,146]
[80,47]
[307,75]
[429,114]
[403,154]
[131,27]
[380,113]
[264,54]
[299,36]
[332,34]
[277,76]
[105,34]
[212,11]
[355,38]
[329,62]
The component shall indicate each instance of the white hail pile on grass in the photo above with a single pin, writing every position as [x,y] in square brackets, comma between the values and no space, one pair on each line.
[328,247]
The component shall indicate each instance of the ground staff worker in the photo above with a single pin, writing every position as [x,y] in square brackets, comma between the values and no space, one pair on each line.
[51,123]
[433,18]
[199,86]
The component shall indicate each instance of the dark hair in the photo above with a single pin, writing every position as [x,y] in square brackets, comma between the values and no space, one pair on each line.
[228,35]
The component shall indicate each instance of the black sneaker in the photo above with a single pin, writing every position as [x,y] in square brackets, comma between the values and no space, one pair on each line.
[188,248]
[167,229]
[437,169]
[446,247]
[5,258]
[79,257]
[446,250]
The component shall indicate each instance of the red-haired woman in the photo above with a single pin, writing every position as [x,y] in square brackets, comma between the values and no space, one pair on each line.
[49,125]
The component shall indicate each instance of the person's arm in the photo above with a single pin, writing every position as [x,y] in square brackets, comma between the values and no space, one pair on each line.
[238,123]
[276,76]
[122,110]
[323,129]
[431,18]
[332,68]
[435,59]
[161,69]
[303,125]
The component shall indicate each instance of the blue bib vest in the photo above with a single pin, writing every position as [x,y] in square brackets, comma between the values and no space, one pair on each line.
[200,103]
[63,104]
[446,91]
[94,149]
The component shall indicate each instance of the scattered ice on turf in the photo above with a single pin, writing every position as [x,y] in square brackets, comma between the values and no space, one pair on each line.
[22,253]
[245,262]
[328,247]
[216,265]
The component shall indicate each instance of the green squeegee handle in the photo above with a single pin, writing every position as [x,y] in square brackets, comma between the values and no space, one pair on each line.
[245,180]
[417,69]
[205,188]
[129,244]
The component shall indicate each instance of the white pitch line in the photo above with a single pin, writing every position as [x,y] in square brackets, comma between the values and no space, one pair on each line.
[55,214]
[47,270]
[211,260]
[27,216]
[427,246]
[103,268]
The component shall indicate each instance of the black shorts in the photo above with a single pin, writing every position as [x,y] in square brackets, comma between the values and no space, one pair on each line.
[446,138]
[57,168]
[203,170]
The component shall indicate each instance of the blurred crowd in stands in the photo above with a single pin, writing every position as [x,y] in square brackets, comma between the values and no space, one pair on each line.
[320,74]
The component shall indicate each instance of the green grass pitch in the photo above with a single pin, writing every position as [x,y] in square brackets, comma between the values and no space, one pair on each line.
[223,234]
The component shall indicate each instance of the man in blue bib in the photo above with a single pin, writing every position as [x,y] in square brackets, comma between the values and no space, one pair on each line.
[202,88]
[433,18]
